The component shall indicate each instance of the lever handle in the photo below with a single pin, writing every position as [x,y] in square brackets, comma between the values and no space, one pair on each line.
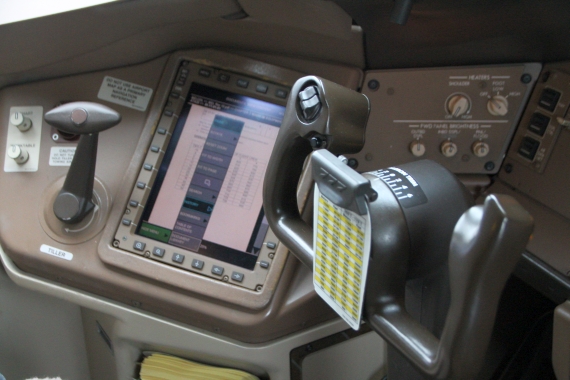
[81,118]
[486,244]
[74,200]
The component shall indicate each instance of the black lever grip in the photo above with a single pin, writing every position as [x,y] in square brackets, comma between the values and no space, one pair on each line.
[87,119]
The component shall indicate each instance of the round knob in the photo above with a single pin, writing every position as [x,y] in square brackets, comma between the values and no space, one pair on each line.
[448,148]
[18,154]
[457,105]
[480,148]
[18,120]
[79,116]
[417,148]
[498,105]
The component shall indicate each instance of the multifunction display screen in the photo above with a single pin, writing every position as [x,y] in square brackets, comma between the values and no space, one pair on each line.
[207,197]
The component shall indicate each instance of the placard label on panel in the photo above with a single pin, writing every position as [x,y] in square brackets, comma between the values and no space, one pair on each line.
[125,93]
[61,156]
[52,251]
[341,243]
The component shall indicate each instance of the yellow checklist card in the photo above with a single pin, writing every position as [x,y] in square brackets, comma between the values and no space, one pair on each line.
[341,242]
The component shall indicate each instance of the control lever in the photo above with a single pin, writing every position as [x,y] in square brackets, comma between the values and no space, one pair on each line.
[433,229]
[74,200]
[324,115]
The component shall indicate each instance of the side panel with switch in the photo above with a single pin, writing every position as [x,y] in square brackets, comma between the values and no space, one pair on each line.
[539,153]
[462,118]
[23,142]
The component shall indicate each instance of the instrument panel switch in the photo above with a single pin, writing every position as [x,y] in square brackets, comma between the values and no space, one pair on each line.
[158,252]
[538,123]
[217,270]
[178,258]
[549,99]
[480,148]
[21,122]
[498,105]
[18,154]
[528,148]
[417,148]
[197,264]
[448,149]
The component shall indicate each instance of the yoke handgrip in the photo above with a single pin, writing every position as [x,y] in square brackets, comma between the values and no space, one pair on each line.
[487,243]
[337,121]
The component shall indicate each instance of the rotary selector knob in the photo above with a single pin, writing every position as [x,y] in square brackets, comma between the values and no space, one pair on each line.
[21,122]
[498,105]
[417,148]
[18,154]
[457,105]
[480,148]
[448,148]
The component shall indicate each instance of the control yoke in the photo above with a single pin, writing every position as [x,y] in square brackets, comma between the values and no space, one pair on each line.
[438,231]
[74,201]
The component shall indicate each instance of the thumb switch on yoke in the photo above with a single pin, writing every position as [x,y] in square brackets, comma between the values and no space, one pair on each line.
[310,103]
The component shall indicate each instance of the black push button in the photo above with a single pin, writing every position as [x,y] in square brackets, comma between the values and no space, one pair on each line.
[161,131]
[264,264]
[174,95]
[217,270]
[238,277]
[141,185]
[271,245]
[178,258]
[204,73]
[197,264]
[147,167]
[528,148]
[539,123]
[281,93]
[243,83]
[168,113]
[549,99]
[126,222]
[133,203]
[159,252]
[225,78]
[261,88]
[139,246]
[154,149]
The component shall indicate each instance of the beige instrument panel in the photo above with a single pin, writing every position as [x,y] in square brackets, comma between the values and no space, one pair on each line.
[271,300]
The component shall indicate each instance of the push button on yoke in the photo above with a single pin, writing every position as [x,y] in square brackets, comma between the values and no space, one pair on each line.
[310,103]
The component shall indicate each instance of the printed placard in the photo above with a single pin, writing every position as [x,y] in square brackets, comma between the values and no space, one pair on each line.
[125,93]
[56,252]
[61,155]
[341,242]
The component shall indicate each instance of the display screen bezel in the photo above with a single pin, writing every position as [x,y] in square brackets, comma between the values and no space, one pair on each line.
[247,258]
